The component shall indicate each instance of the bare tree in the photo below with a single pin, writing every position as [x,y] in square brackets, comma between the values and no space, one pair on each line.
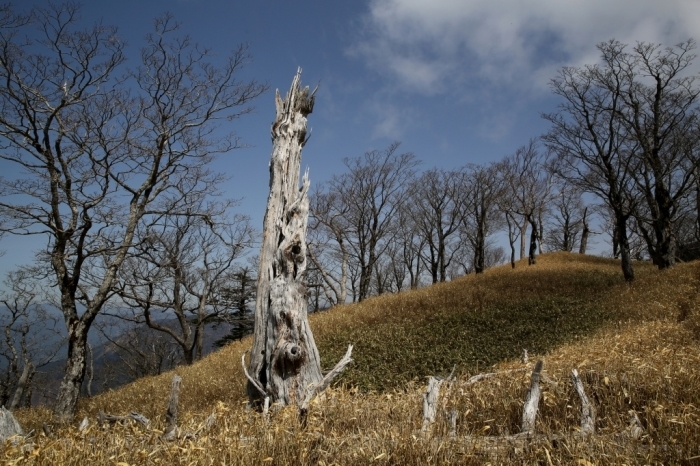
[438,205]
[528,184]
[482,189]
[588,138]
[372,191]
[566,224]
[177,275]
[134,351]
[31,339]
[585,232]
[660,114]
[409,243]
[97,149]
[327,245]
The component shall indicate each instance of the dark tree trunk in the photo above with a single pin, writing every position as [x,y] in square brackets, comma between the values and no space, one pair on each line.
[532,256]
[480,246]
[624,248]
[585,231]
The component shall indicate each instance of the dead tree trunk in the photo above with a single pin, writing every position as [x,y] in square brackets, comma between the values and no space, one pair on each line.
[284,360]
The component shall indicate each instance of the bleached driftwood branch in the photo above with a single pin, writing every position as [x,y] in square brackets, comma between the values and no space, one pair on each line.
[83,424]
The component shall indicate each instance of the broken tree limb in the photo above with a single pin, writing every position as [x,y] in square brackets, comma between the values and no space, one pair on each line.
[453,423]
[83,424]
[635,428]
[315,389]
[103,418]
[587,409]
[253,382]
[532,400]
[140,418]
[257,386]
[170,432]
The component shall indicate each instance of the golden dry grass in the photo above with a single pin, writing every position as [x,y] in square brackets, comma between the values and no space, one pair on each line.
[636,346]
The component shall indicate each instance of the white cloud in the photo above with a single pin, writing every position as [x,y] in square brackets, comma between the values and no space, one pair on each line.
[428,46]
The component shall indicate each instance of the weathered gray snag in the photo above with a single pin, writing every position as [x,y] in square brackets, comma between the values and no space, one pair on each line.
[171,414]
[587,409]
[430,402]
[284,360]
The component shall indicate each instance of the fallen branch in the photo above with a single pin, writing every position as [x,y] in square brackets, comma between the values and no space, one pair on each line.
[487,375]
[170,432]
[103,418]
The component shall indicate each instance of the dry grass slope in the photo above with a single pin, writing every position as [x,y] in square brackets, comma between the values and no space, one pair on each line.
[637,347]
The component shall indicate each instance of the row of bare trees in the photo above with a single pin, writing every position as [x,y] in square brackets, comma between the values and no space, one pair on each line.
[622,152]
[626,131]
[383,226]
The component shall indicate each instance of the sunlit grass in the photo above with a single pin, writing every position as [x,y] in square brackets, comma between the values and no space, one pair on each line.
[637,347]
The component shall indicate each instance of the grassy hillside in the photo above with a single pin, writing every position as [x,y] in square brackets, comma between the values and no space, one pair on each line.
[637,347]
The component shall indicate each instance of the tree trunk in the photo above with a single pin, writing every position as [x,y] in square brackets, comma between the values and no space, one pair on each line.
[480,244]
[584,233]
[624,248]
[534,236]
[74,374]
[284,360]
[523,232]
[22,384]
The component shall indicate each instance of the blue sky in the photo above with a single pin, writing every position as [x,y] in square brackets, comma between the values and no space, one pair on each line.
[456,81]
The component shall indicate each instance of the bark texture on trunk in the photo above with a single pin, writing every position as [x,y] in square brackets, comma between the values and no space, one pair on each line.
[284,359]
[76,365]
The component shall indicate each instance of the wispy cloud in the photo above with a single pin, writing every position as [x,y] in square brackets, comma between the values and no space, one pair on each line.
[430,47]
